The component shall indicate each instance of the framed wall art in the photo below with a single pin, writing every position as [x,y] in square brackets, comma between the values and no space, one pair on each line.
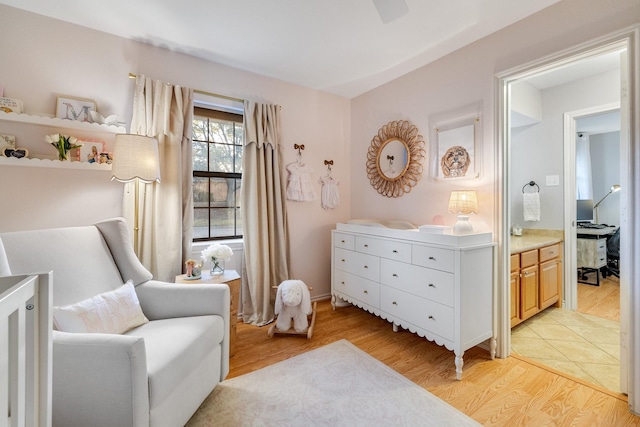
[75,108]
[456,148]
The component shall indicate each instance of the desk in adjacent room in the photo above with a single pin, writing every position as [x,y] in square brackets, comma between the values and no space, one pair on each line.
[592,250]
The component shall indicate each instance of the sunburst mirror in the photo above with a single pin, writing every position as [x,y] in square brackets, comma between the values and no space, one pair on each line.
[394,159]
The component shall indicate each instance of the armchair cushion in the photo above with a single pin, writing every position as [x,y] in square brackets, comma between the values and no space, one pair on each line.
[174,347]
[112,312]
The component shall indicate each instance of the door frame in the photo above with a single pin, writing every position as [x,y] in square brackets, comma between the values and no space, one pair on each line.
[630,37]
[570,288]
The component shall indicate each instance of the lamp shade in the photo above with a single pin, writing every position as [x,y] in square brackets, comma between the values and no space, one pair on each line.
[135,156]
[463,201]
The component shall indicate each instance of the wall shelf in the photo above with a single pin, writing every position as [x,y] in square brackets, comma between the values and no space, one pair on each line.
[32,138]
[60,123]
[56,164]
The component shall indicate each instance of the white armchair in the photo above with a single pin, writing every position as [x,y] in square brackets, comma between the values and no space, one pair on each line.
[156,374]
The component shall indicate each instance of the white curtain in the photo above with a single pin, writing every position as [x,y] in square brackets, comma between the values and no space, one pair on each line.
[165,112]
[264,215]
[584,185]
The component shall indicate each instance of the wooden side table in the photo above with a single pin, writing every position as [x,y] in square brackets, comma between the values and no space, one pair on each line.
[232,279]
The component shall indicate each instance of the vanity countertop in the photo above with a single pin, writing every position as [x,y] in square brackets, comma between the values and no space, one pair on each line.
[534,239]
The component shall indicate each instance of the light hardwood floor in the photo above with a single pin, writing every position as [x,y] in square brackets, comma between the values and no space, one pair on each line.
[501,392]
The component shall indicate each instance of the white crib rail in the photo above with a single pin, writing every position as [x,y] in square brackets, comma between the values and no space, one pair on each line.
[25,350]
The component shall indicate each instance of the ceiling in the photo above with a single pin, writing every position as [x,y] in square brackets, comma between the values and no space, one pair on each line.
[338,46]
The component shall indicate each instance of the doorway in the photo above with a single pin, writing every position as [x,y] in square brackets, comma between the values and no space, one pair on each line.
[505,187]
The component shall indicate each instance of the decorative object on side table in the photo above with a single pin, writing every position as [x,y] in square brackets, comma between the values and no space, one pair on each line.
[463,202]
[63,143]
[217,254]
[194,270]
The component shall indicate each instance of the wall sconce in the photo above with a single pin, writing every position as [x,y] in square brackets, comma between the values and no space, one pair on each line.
[614,189]
[463,202]
[135,159]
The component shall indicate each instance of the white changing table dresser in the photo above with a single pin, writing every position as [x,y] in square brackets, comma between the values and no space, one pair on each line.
[439,286]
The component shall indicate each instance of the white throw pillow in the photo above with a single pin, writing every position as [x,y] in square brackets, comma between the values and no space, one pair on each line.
[112,312]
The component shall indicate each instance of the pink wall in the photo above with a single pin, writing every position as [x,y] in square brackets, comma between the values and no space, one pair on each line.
[462,79]
[46,57]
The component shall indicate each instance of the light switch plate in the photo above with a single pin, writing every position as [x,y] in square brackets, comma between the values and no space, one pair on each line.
[553,180]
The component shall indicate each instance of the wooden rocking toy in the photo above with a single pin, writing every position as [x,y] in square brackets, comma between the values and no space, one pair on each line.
[283,310]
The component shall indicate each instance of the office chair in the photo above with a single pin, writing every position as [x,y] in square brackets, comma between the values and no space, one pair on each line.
[613,256]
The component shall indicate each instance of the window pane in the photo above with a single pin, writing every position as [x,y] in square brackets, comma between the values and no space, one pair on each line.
[200,128]
[238,222]
[238,186]
[239,134]
[201,223]
[222,192]
[221,131]
[223,218]
[200,156]
[200,192]
[238,165]
[221,158]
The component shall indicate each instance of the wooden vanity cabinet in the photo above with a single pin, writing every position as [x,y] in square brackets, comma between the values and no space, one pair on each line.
[515,289]
[550,276]
[536,281]
[528,284]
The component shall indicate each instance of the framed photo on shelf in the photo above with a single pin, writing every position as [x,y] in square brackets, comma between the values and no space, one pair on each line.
[90,151]
[75,108]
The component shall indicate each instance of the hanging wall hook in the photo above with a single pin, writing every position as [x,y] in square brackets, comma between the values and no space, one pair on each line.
[328,163]
[298,147]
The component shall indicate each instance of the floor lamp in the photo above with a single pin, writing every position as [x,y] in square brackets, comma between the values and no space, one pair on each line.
[614,189]
[135,159]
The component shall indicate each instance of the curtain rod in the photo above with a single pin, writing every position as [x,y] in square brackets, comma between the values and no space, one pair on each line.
[202,92]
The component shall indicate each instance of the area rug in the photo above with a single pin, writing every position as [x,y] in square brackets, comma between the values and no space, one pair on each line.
[335,385]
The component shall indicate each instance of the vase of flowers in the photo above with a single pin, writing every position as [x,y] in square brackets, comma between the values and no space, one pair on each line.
[63,143]
[217,254]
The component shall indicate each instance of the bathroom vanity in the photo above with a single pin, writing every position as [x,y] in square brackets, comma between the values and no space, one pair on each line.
[433,283]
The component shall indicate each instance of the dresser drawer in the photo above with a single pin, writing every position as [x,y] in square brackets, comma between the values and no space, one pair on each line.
[423,282]
[358,288]
[431,316]
[425,256]
[549,252]
[384,248]
[363,265]
[345,241]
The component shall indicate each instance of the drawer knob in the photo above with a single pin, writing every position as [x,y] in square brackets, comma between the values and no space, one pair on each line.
[394,303]
[432,318]
[342,241]
[366,266]
[366,292]
[366,246]
[342,260]
[431,285]
[394,275]
[394,251]
[432,258]
[342,283]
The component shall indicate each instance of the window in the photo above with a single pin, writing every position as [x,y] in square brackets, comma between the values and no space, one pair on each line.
[218,138]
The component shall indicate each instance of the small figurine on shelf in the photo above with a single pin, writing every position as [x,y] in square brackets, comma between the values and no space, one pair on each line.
[93,157]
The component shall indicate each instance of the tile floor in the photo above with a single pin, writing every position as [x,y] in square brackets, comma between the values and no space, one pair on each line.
[581,345]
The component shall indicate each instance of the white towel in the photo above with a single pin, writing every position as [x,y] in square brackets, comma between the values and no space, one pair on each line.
[531,206]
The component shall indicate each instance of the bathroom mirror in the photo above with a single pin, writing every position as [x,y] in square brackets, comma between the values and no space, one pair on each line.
[394,159]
